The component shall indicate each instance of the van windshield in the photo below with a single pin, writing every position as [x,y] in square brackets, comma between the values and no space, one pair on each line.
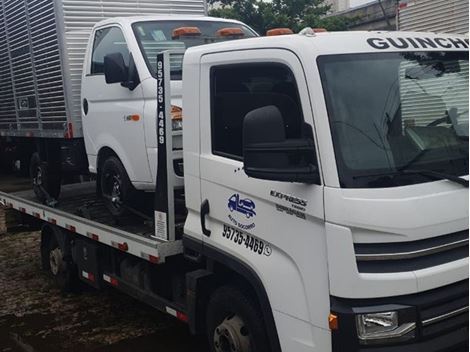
[397,118]
[177,36]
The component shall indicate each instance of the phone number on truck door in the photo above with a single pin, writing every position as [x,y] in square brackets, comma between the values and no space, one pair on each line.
[242,239]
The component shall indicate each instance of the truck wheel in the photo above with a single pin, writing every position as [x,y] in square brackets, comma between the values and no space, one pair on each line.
[116,187]
[44,179]
[63,271]
[234,322]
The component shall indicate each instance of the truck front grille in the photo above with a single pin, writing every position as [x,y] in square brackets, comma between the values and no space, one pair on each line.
[413,255]
[444,310]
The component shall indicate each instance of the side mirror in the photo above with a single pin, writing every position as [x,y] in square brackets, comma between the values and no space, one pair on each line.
[115,70]
[269,155]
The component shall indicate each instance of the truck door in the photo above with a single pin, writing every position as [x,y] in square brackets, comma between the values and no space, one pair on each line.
[276,228]
[113,116]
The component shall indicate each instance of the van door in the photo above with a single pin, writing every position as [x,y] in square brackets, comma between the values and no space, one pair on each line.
[276,228]
[114,116]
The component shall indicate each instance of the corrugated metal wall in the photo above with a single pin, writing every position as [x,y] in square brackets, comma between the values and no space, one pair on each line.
[7,99]
[42,46]
[442,16]
[30,61]
[424,101]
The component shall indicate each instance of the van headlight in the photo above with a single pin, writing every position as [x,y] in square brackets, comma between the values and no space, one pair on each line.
[376,328]
[176,118]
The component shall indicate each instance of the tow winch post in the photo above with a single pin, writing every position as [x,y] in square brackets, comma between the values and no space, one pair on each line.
[164,191]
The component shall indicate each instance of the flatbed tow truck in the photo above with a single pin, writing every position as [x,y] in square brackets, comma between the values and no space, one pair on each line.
[324,210]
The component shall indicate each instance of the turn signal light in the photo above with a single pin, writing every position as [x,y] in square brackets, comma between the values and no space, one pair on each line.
[185,31]
[279,31]
[333,321]
[176,113]
[230,32]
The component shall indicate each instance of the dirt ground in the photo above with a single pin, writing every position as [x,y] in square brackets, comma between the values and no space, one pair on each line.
[36,317]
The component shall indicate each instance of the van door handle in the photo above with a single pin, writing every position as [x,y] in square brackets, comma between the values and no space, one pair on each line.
[85,106]
[204,212]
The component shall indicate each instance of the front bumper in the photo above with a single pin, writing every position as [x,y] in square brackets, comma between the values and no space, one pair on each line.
[441,317]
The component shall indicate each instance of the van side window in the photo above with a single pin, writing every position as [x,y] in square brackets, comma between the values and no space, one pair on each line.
[107,41]
[238,89]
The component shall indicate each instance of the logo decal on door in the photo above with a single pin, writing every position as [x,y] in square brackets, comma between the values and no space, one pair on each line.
[245,209]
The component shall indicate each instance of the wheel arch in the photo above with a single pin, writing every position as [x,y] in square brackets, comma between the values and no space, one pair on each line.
[103,154]
[239,273]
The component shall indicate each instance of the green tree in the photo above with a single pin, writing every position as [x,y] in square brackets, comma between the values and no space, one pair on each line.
[294,14]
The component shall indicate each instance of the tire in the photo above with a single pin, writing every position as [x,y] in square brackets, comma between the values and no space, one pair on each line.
[62,270]
[116,188]
[234,322]
[44,178]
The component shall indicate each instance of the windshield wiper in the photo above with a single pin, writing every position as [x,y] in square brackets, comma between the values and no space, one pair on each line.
[427,173]
[436,175]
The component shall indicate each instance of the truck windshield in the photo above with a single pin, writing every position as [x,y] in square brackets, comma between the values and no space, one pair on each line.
[397,118]
[177,36]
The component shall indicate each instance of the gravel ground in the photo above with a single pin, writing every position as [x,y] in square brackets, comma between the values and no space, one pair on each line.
[36,317]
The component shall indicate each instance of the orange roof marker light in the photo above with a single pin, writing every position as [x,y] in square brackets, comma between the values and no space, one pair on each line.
[279,31]
[230,32]
[185,32]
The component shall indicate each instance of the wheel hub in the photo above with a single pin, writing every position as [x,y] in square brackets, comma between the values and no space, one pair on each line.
[116,191]
[55,260]
[37,179]
[232,336]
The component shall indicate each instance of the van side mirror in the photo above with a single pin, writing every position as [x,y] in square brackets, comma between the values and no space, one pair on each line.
[269,155]
[115,70]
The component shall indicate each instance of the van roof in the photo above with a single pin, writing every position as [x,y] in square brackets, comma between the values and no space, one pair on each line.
[134,19]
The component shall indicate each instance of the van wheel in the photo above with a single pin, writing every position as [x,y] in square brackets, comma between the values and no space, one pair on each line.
[45,180]
[116,187]
[234,322]
[63,271]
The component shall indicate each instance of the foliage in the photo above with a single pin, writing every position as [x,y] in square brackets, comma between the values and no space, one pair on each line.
[263,15]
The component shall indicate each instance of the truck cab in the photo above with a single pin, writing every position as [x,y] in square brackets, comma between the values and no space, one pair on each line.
[119,90]
[350,153]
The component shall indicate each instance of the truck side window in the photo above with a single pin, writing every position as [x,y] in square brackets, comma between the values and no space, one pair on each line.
[238,89]
[107,41]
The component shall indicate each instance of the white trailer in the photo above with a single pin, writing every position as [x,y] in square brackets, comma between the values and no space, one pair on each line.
[439,16]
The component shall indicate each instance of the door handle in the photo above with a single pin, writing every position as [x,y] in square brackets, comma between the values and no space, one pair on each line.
[204,212]
[85,106]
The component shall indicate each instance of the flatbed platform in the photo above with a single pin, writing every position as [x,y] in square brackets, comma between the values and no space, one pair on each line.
[79,210]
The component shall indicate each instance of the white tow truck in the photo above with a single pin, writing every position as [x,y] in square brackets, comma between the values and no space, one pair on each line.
[325,201]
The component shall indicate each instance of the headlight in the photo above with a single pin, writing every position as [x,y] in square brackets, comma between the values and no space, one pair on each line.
[177,125]
[176,118]
[383,327]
